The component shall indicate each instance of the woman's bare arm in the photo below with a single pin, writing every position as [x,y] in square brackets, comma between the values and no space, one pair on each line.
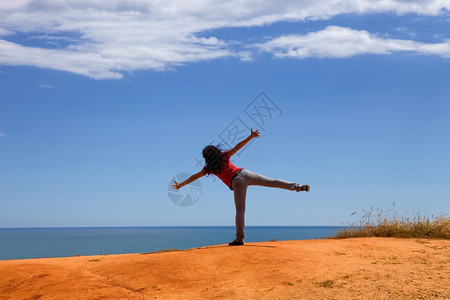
[242,143]
[193,178]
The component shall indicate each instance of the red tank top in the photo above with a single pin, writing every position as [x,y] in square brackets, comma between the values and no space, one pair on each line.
[227,172]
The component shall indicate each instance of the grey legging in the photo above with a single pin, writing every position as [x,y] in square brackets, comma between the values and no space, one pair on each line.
[240,183]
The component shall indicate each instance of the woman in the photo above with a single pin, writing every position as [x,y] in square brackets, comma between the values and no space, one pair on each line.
[217,162]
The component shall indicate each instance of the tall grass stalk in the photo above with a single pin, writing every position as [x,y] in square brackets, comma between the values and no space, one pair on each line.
[379,223]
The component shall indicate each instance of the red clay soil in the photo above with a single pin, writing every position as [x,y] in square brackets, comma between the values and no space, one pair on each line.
[366,268]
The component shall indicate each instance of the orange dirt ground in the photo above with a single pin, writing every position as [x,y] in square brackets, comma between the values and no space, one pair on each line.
[366,268]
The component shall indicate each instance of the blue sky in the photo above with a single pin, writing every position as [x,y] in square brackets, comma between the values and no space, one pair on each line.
[103,102]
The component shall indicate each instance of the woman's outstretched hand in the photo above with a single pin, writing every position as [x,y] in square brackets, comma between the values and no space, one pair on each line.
[254,133]
[176,186]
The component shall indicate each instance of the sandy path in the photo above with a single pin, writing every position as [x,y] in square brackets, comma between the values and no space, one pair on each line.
[370,268]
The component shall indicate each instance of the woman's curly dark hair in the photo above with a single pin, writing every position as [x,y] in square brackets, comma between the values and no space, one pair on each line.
[214,159]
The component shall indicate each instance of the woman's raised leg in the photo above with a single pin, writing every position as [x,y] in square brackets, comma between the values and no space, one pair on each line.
[257,179]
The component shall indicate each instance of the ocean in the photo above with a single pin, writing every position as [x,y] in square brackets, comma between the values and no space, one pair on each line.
[21,243]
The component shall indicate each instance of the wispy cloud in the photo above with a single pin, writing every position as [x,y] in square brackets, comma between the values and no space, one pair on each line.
[341,42]
[410,33]
[46,86]
[107,38]
[2,134]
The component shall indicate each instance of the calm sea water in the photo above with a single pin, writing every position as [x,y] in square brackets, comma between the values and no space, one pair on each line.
[20,243]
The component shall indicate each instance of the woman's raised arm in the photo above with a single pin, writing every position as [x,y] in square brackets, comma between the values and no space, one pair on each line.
[193,178]
[242,143]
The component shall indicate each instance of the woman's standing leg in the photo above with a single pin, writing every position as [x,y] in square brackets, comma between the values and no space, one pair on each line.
[257,179]
[240,191]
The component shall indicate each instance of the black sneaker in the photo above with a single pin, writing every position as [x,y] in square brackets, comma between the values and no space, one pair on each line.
[305,187]
[235,243]
[300,188]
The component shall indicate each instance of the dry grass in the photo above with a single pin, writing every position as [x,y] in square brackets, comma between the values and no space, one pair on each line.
[94,260]
[326,283]
[168,250]
[379,223]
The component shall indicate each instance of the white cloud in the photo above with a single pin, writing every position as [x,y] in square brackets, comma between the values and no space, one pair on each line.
[410,33]
[341,42]
[107,38]
[46,86]
[2,134]
[4,31]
